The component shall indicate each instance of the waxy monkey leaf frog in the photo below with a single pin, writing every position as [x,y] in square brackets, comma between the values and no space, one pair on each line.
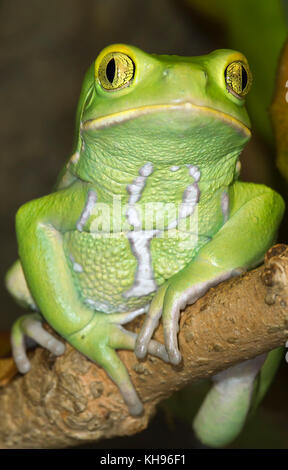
[147,214]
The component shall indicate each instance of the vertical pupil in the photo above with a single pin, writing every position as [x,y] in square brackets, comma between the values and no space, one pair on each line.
[244,78]
[110,70]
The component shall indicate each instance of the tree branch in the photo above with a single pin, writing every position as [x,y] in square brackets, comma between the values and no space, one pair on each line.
[68,401]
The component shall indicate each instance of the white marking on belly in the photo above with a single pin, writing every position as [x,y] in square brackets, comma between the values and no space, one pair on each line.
[225,205]
[194,172]
[76,266]
[189,201]
[144,282]
[90,203]
[106,308]
[100,306]
[190,197]
[140,240]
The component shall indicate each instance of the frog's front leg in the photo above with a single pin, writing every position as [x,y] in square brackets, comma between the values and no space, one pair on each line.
[98,341]
[241,243]
[40,225]
[168,302]
[255,214]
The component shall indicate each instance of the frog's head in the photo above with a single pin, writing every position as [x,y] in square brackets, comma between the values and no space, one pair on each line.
[137,107]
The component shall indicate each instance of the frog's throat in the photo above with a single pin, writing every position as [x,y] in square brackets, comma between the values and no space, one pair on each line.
[128,114]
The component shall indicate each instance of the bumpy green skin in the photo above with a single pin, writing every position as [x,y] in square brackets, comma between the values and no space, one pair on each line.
[176,128]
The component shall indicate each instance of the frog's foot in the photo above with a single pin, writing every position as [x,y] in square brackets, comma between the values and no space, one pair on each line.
[119,338]
[225,408]
[31,326]
[167,303]
[107,358]
[98,340]
[170,299]
[123,339]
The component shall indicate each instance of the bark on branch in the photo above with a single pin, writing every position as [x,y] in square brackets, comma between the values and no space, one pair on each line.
[69,401]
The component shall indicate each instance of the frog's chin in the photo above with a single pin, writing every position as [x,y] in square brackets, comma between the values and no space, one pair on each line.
[133,113]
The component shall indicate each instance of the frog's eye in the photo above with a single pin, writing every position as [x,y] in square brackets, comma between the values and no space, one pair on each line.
[116,70]
[238,78]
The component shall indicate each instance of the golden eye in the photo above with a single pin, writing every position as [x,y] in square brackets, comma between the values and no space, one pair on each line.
[238,78]
[115,71]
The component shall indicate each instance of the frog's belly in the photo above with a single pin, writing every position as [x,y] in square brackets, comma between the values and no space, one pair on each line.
[112,276]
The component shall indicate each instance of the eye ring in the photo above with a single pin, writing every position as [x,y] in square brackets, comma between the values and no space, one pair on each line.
[238,78]
[116,70]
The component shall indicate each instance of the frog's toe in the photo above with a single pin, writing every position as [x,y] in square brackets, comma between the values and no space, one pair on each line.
[126,388]
[21,360]
[150,324]
[175,357]
[107,358]
[173,352]
[124,339]
[171,314]
[142,342]
[134,404]
[136,409]
[31,326]
[34,329]
[19,351]
[158,350]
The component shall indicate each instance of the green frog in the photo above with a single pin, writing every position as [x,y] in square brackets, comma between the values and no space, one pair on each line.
[147,214]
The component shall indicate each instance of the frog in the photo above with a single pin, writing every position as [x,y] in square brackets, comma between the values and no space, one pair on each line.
[147,214]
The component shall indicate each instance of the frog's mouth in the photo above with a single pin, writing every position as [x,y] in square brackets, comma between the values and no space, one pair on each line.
[128,114]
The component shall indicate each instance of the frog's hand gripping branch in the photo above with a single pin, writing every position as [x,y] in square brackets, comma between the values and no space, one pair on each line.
[40,227]
[255,214]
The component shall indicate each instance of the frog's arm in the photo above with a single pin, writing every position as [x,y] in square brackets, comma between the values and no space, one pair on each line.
[40,225]
[255,214]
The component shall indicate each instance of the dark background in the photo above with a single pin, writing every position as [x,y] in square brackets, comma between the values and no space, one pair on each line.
[45,49]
